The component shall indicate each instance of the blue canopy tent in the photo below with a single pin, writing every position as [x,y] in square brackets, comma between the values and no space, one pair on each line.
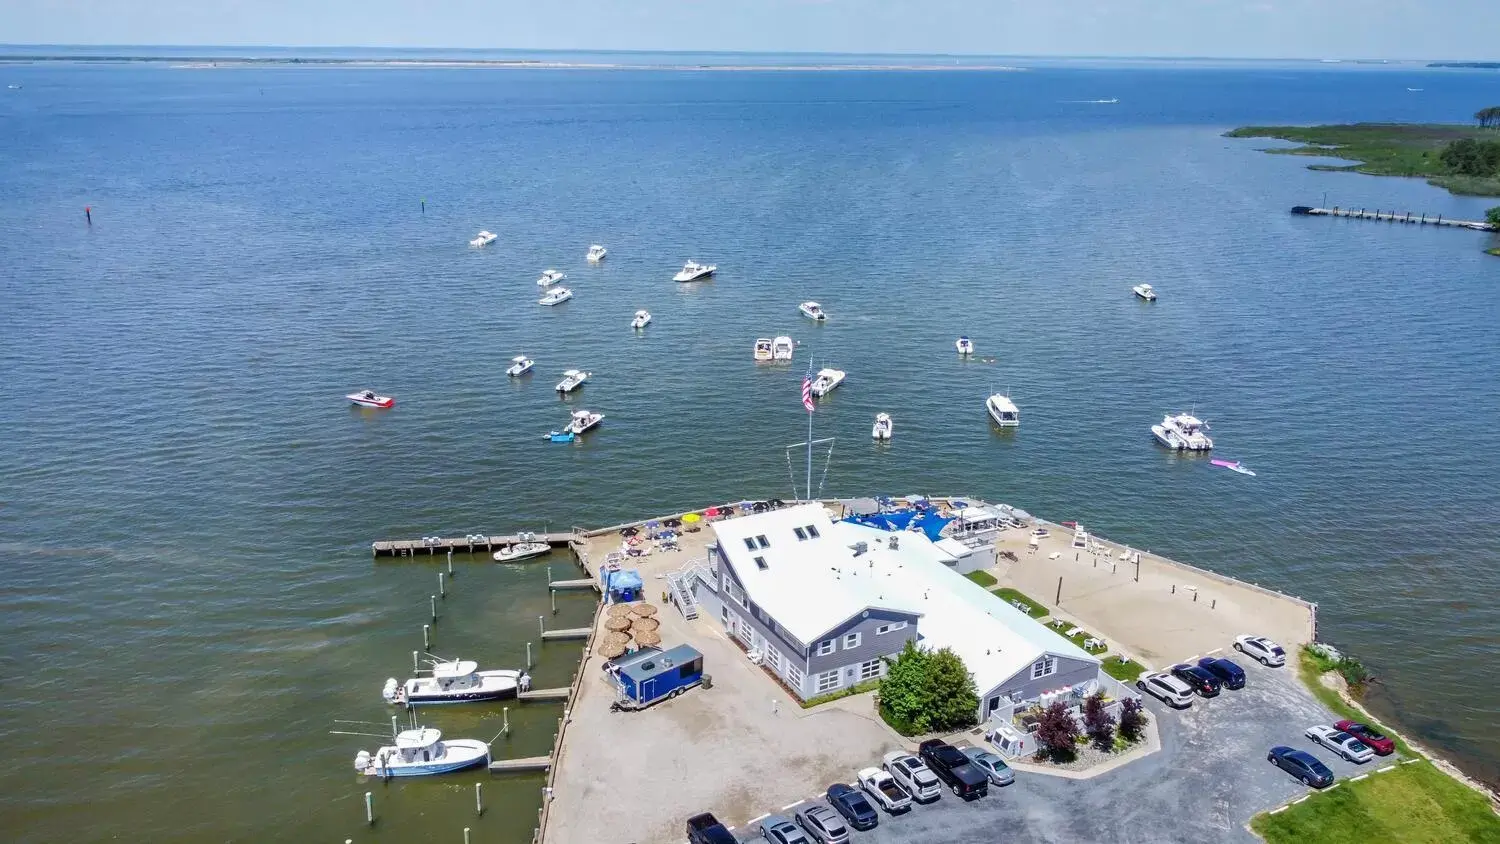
[622,586]
[928,522]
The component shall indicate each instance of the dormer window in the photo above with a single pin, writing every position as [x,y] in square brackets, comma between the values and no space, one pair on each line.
[750,542]
[760,563]
[761,540]
[801,534]
[812,531]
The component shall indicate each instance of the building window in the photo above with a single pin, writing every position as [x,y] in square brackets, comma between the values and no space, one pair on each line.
[991,705]
[762,541]
[1044,667]
[794,677]
[871,669]
[826,647]
[886,628]
[827,681]
[750,543]
[801,534]
[773,659]
[851,641]
[760,563]
[812,531]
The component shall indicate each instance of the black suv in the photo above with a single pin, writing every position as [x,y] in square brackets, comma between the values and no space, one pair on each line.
[952,767]
[1198,679]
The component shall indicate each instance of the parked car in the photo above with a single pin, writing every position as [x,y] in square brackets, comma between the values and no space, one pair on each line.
[823,824]
[848,802]
[991,765]
[706,829]
[1261,649]
[1377,741]
[953,768]
[1200,680]
[883,789]
[1231,675]
[1340,742]
[777,829]
[909,772]
[1302,765]
[1166,688]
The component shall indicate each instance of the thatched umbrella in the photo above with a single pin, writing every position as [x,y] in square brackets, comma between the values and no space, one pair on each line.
[618,610]
[611,650]
[617,623]
[640,625]
[643,610]
[618,637]
[648,637]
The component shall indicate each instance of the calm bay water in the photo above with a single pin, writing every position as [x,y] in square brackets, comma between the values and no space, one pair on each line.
[186,503]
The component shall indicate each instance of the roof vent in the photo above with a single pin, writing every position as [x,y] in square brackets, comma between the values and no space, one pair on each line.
[860,548]
[895,543]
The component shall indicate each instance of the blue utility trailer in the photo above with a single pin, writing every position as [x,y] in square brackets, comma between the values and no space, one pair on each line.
[651,675]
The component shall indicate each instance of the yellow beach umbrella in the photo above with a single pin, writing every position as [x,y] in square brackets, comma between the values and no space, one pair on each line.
[691,517]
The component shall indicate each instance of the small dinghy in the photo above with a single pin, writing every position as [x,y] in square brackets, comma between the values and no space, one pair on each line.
[422,752]
[561,436]
[367,398]
[1233,465]
[455,681]
[882,427]
[524,550]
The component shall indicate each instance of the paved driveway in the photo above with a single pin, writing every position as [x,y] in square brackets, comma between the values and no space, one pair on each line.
[1210,777]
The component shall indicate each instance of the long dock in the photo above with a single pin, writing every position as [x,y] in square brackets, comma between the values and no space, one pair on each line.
[545,694]
[1392,217]
[581,583]
[476,543]
[525,764]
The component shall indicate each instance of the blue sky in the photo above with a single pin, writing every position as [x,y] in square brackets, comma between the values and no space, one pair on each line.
[1215,28]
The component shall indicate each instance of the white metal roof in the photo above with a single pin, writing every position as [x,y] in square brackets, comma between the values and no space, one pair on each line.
[1003,404]
[811,586]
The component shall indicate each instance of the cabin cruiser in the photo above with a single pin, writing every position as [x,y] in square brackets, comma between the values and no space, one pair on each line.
[522,550]
[456,681]
[782,348]
[583,420]
[550,277]
[1183,432]
[882,427]
[763,349]
[642,319]
[826,380]
[813,311]
[422,752]
[964,345]
[1145,292]
[572,380]
[693,271]
[367,398]
[520,365]
[555,296]
[596,253]
[1003,411]
[484,238]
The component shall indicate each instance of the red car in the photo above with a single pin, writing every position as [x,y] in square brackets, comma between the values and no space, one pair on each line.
[1382,745]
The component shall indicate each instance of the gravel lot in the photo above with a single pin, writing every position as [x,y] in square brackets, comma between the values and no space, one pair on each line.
[1210,777]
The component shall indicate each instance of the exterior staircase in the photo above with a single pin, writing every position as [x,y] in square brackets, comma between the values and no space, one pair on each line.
[681,585]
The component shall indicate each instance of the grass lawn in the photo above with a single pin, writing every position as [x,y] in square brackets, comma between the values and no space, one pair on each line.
[1126,672]
[1414,804]
[1077,639]
[1384,149]
[983,578]
[1495,252]
[1033,609]
[1310,667]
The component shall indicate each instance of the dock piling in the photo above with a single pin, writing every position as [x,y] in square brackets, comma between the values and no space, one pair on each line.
[541,626]
[433,600]
[427,638]
[478,801]
[466,835]
[528,656]
[505,727]
[416,667]
[450,562]
[443,585]
[370,808]
[553,593]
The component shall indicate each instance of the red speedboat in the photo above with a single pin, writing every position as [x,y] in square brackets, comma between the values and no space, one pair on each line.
[366,398]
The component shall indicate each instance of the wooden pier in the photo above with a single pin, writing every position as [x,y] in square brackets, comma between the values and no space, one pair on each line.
[1392,217]
[471,544]
[545,694]
[523,765]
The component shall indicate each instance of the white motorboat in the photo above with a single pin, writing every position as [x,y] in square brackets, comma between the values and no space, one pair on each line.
[555,296]
[882,427]
[367,398]
[1183,432]
[422,752]
[455,681]
[1145,292]
[572,380]
[813,311]
[826,380]
[642,319]
[1003,411]
[550,277]
[523,550]
[763,349]
[693,271]
[582,421]
[596,253]
[484,238]
[964,345]
[520,365]
[782,348]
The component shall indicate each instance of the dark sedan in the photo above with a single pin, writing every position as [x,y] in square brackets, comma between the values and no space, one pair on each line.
[1378,741]
[1198,679]
[851,803]
[1302,765]
[1231,675]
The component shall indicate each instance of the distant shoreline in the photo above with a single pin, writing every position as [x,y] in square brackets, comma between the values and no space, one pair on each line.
[214,62]
[1383,149]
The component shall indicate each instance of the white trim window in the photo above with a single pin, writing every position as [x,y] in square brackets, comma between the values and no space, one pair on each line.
[872,669]
[801,534]
[773,658]
[1044,667]
[826,647]
[887,628]
[794,677]
[826,682]
[812,531]
[852,640]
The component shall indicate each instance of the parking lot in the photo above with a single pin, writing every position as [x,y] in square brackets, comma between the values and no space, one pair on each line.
[1210,777]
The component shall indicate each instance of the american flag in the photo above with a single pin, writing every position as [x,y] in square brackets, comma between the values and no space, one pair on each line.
[807,401]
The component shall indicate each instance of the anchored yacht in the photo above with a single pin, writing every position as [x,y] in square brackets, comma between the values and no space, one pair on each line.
[572,380]
[367,398]
[1003,411]
[455,681]
[484,238]
[694,271]
[813,311]
[763,348]
[964,345]
[782,348]
[882,427]
[1145,292]
[550,277]
[422,752]
[520,365]
[642,319]
[555,296]
[583,420]
[827,380]
[1183,432]
[596,253]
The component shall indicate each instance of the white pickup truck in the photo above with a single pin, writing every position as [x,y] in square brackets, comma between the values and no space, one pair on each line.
[884,791]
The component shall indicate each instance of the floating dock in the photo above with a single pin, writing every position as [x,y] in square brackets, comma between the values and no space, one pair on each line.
[472,544]
[581,583]
[567,633]
[545,694]
[1392,217]
[523,765]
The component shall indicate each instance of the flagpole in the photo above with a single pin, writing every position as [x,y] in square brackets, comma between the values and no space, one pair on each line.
[809,455]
